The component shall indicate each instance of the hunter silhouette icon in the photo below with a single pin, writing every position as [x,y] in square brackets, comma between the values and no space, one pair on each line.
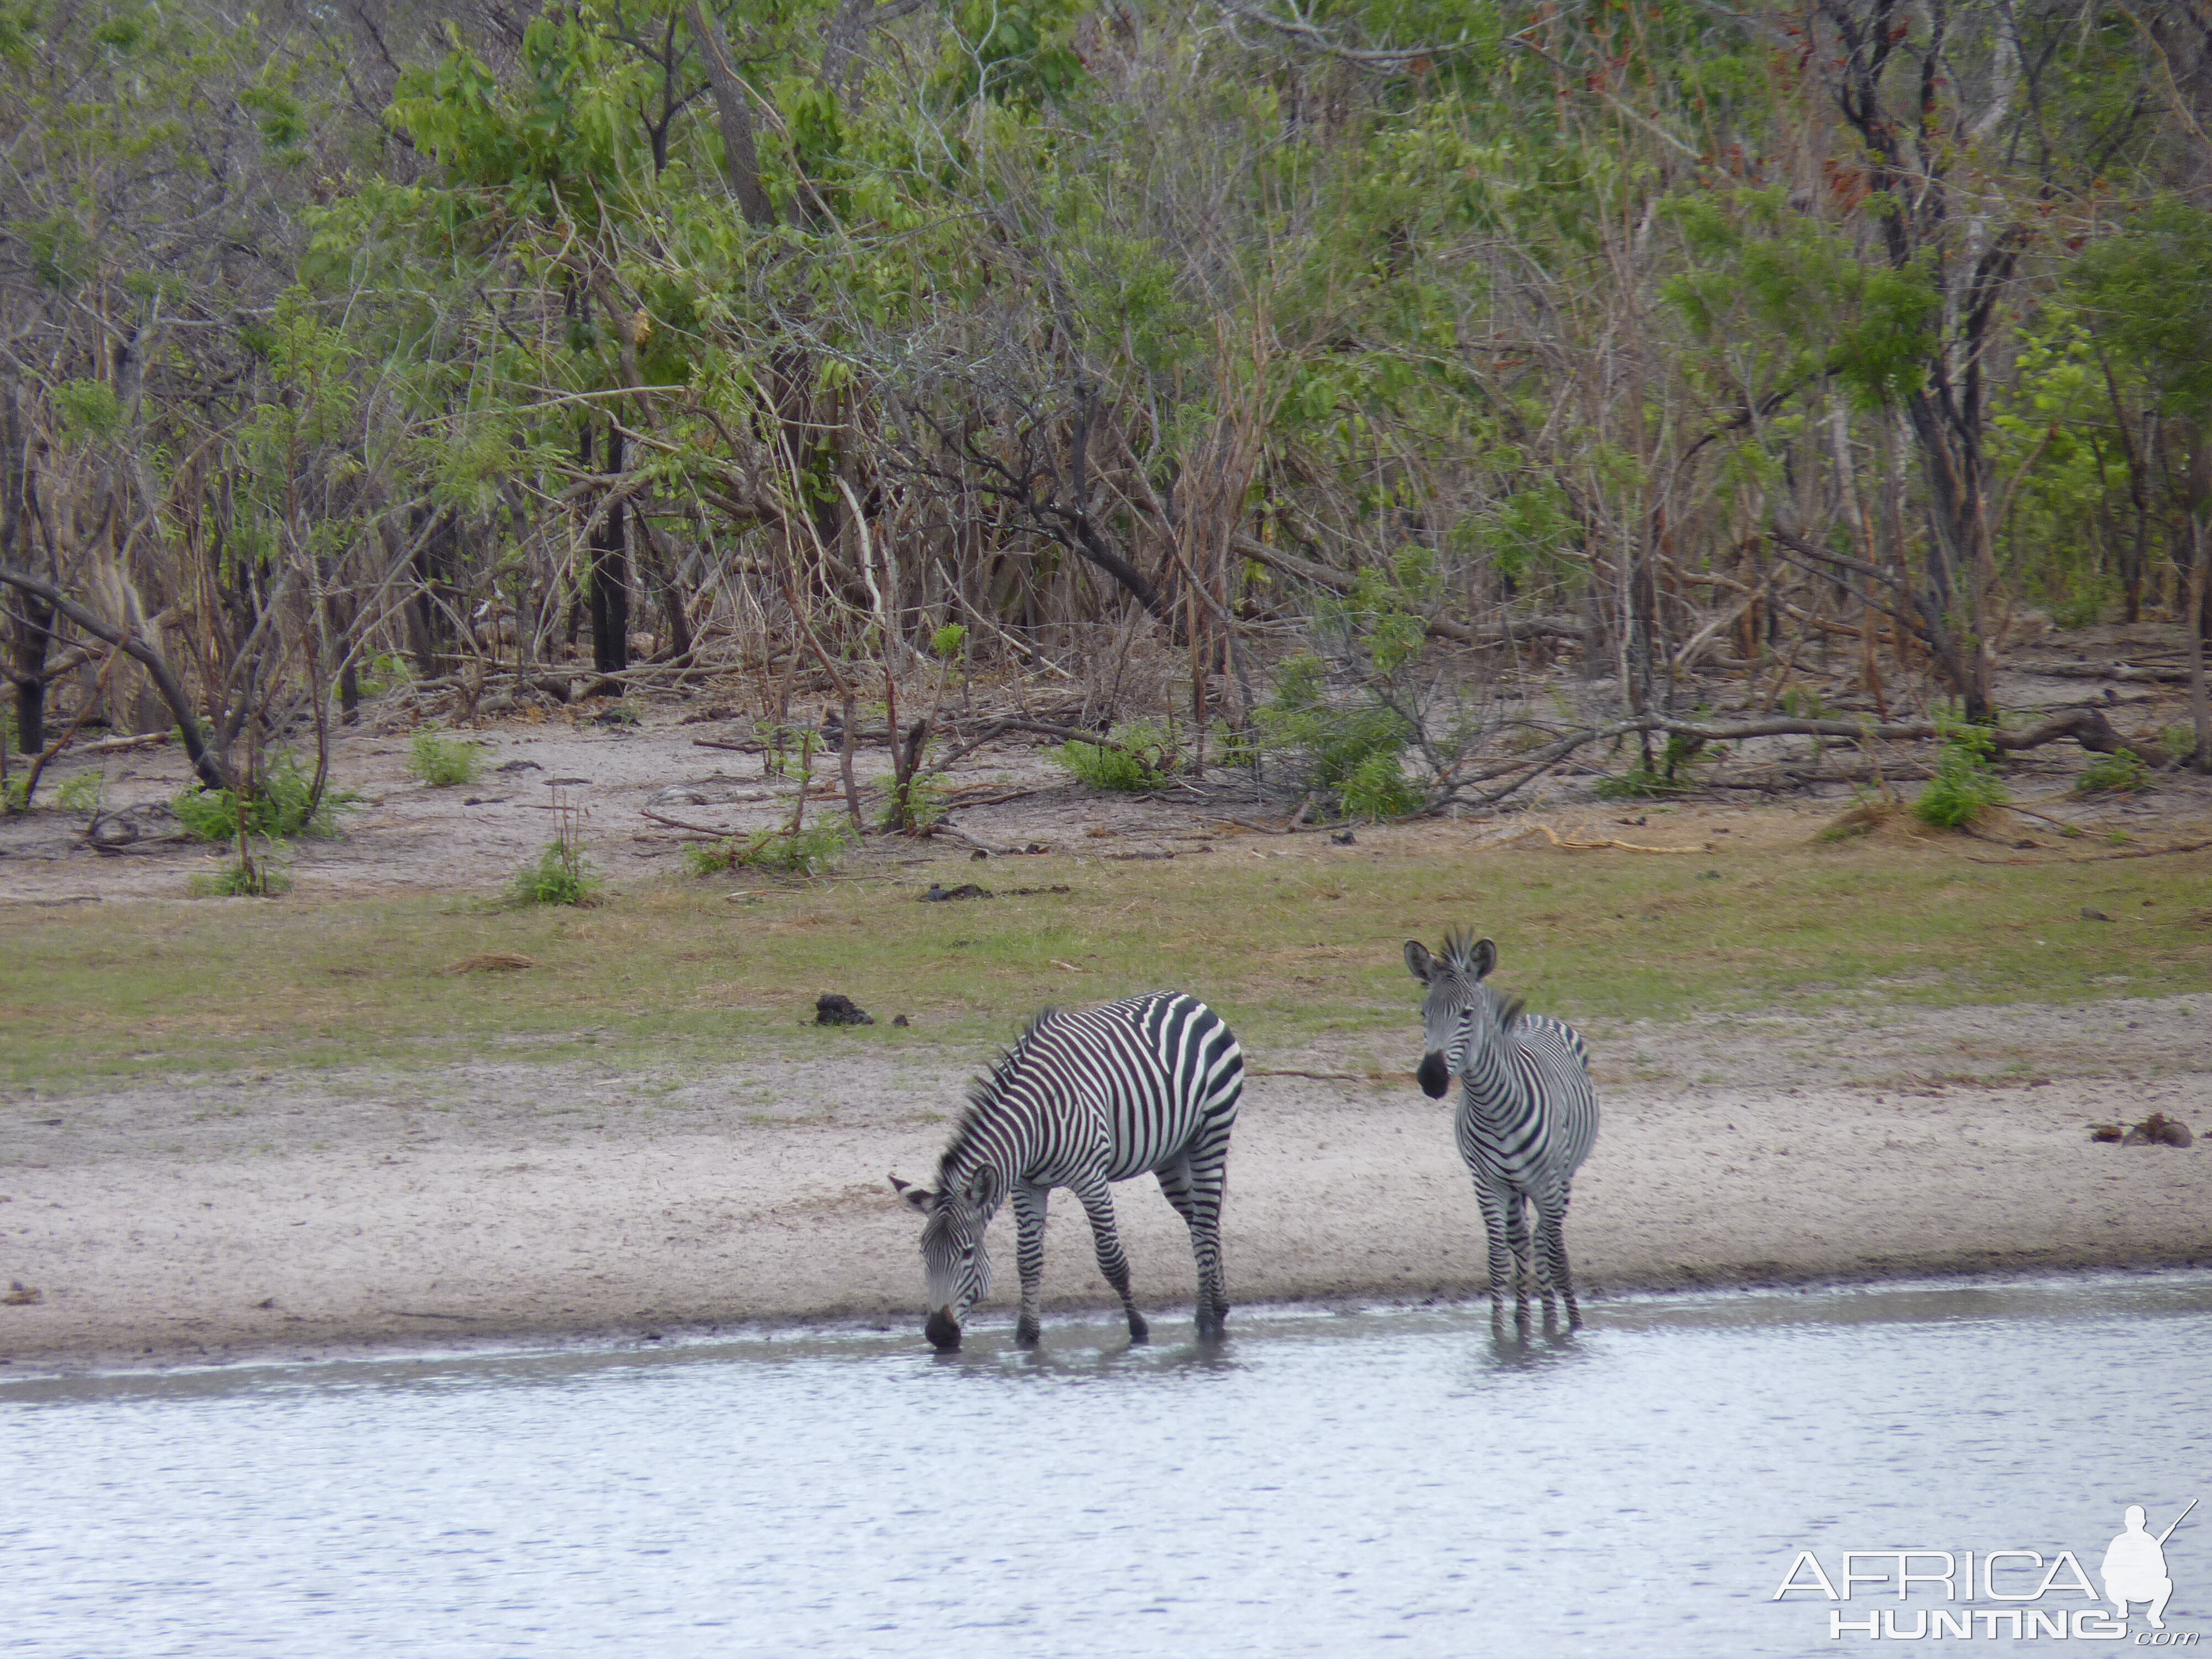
[2135,1566]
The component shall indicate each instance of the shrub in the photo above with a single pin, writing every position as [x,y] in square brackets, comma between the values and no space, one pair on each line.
[1965,785]
[1137,758]
[2121,772]
[439,762]
[1336,749]
[277,811]
[810,852]
[562,875]
[81,793]
[1379,788]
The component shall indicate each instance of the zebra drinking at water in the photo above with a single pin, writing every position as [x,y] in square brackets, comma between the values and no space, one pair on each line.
[1527,1115]
[1080,1100]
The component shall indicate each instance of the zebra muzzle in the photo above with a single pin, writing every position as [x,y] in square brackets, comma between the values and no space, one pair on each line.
[1435,1076]
[943,1330]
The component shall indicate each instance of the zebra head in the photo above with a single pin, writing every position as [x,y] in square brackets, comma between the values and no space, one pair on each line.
[954,1258]
[1459,1006]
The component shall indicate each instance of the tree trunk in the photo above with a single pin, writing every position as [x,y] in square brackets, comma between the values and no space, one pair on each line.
[609,573]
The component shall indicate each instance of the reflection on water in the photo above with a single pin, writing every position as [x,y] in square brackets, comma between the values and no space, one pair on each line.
[1323,1483]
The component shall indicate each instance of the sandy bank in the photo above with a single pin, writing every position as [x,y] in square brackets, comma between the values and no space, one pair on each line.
[276,1219]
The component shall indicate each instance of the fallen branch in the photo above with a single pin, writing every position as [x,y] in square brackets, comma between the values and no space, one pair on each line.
[694,829]
[1558,841]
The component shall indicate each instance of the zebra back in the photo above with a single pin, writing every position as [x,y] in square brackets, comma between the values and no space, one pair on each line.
[1135,1083]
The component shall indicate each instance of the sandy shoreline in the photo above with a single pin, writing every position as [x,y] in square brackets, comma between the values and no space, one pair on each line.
[275,1218]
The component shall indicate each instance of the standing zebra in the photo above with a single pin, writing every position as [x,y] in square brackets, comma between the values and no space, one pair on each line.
[1081,1100]
[1527,1115]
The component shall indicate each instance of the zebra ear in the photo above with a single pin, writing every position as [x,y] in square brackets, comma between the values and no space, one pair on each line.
[1484,958]
[919,1197]
[1417,960]
[983,1186]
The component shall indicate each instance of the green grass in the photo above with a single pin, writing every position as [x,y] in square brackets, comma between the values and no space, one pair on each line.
[1287,948]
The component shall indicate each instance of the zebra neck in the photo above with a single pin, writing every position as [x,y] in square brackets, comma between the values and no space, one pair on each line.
[994,1147]
[1493,1087]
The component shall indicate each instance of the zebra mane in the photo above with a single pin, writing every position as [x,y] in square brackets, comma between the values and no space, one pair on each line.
[1459,950]
[1510,1009]
[983,1094]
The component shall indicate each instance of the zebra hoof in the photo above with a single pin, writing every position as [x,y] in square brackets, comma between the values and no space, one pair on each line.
[1026,1333]
[1139,1331]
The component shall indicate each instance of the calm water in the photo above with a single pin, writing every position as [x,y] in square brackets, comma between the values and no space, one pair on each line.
[1333,1485]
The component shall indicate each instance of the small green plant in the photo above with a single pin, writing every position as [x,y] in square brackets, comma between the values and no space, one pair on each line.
[1637,783]
[562,875]
[260,878]
[278,809]
[1965,785]
[1379,788]
[81,793]
[2121,772]
[810,852]
[924,803]
[383,672]
[1137,757]
[439,762]
[948,642]
[1640,782]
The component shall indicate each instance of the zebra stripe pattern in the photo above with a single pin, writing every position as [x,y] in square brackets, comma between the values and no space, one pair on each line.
[1527,1117]
[1083,1100]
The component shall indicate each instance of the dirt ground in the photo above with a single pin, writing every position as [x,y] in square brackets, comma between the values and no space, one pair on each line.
[293,1217]
[280,1219]
[675,760]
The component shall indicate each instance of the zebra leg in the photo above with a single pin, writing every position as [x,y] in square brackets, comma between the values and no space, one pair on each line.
[1524,1270]
[1502,1259]
[1551,1246]
[1098,1201]
[1200,1206]
[1029,1253]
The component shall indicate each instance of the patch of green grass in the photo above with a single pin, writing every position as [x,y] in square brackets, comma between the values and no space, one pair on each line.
[81,793]
[813,851]
[1965,785]
[1137,758]
[443,762]
[562,875]
[278,809]
[2122,772]
[1288,948]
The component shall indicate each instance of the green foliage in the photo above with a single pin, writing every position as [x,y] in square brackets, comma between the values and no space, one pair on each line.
[81,793]
[89,409]
[948,642]
[1136,757]
[279,808]
[1965,785]
[2150,289]
[258,877]
[814,851]
[562,875]
[1337,746]
[922,803]
[2122,773]
[440,762]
